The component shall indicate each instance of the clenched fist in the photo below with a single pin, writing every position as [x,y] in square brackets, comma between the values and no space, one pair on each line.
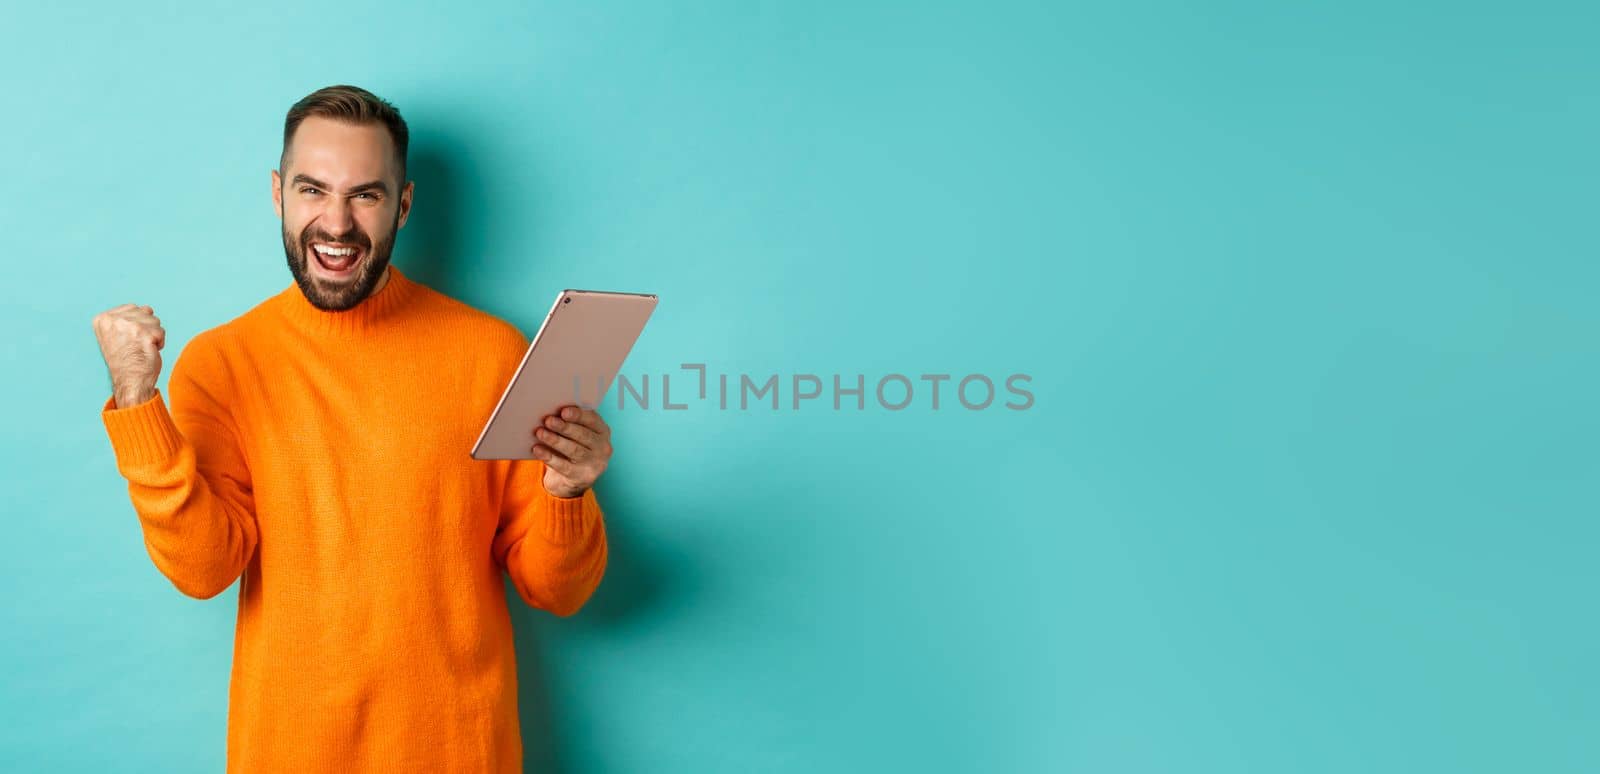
[131,338]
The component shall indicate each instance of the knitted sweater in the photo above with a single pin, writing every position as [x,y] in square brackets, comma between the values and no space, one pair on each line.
[325,457]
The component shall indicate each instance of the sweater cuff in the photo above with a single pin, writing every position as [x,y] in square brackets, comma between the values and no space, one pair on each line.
[142,433]
[570,517]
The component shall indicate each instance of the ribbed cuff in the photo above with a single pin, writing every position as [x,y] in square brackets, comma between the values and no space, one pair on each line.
[143,433]
[570,517]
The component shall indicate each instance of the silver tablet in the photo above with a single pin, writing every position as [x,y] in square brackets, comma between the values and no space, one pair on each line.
[573,359]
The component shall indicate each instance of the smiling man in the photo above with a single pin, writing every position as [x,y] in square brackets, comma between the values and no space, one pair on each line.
[317,446]
[326,245]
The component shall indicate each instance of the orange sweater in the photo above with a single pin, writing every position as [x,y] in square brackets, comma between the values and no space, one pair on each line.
[325,456]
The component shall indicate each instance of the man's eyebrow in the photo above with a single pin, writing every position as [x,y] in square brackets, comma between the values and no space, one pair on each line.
[377,185]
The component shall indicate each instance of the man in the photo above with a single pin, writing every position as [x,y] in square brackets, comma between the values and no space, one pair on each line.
[318,446]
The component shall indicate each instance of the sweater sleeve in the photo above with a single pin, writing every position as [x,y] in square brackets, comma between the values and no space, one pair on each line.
[188,481]
[554,548]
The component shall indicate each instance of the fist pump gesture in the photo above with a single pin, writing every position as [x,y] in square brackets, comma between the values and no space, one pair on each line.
[575,445]
[131,338]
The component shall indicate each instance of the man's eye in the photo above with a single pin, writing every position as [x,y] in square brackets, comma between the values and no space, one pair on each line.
[307,190]
[368,195]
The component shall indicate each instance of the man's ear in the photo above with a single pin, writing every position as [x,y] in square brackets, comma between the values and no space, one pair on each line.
[405,202]
[277,194]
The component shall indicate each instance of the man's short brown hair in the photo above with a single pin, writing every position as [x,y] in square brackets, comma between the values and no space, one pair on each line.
[351,104]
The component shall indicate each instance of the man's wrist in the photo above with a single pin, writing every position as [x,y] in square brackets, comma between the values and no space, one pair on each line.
[132,397]
[561,495]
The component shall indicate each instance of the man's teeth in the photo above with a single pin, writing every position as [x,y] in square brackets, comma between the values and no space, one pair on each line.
[325,250]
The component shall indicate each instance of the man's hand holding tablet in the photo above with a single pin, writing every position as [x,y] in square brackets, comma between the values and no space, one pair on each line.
[575,444]
[547,411]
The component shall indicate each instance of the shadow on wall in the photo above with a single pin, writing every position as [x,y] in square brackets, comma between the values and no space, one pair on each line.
[430,244]
[432,251]
[664,558]
[636,584]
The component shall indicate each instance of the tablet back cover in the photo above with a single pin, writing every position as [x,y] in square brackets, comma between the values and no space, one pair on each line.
[573,359]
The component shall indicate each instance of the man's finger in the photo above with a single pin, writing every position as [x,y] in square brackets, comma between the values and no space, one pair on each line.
[563,466]
[544,452]
[576,432]
[587,417]
[568,448]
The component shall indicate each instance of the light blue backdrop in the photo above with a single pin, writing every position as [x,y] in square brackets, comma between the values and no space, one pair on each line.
[1307,294]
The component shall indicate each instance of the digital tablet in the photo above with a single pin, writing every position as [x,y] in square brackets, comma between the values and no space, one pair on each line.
[574,357]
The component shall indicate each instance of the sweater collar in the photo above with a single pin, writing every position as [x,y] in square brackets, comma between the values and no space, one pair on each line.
[372,312]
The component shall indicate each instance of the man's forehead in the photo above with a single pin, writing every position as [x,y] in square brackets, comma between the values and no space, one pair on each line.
[340,153]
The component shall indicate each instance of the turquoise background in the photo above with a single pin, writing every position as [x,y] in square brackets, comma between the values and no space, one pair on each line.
[1307,294]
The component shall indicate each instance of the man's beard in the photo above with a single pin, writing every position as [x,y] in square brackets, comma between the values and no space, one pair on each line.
[325,294]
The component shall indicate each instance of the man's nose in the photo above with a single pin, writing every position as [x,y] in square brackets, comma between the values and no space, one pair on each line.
[337,216]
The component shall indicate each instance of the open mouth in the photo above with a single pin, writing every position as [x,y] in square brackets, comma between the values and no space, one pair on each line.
[337,261]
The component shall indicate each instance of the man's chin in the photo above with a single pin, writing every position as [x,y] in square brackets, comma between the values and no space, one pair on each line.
[335,294]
